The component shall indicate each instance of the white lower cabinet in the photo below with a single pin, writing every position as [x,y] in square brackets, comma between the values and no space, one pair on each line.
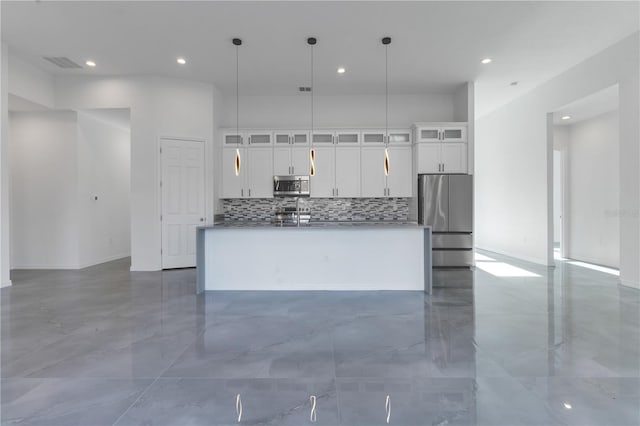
[322,183]
[374,181]
[448,157]
[255,177]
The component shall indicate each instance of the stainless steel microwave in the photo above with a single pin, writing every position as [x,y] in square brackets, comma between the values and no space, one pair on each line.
[291,186]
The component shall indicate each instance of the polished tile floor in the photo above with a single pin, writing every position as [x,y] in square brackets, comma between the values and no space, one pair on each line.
[510,344]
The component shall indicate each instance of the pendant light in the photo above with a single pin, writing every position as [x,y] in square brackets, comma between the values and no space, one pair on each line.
[238,162]
[386,41]
[311,41]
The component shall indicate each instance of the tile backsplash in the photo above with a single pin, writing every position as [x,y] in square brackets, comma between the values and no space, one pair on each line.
[324,209]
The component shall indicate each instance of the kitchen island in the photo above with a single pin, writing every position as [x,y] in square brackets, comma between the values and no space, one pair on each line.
[318,256]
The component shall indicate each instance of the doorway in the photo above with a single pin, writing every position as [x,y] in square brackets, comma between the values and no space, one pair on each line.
[182,198]
[585,181]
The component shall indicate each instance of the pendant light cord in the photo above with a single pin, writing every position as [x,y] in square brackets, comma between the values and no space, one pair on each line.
[312,90]
[237,101]
[386,93]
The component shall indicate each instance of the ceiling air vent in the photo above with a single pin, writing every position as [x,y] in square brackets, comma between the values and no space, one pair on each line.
[61,61]
[304,89]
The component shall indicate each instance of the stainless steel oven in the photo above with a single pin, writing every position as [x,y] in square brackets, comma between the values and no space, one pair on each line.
[291,186]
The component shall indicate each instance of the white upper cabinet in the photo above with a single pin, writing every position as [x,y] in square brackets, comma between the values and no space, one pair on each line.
[255,177]
[454,158]
[396,137]
[232,185]
[290,137]
[399,136]
[373,180]
[440,132]
[322,183]
[259,171]
[450,157]
[400,179]
[323,138]
[260,138]
[347,182]
[300,160]
[428,158]
[372,137]
[282,160]
[345,137]
[231,138]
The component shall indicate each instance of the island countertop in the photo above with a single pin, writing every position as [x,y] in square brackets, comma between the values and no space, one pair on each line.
[313,224]
[318,256]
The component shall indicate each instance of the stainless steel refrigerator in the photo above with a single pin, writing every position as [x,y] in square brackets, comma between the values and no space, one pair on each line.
[446,203]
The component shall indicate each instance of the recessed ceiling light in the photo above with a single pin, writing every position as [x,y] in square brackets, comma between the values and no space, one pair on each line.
[181,61]
[90,63]
[486,60]
[566,117]
[341,70]
[567,406]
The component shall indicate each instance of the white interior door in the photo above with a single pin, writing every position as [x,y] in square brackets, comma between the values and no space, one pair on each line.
[182,201]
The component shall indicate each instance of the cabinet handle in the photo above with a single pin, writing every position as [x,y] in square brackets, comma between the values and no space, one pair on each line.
[338,192]
[242,192]
[443,167]
[389,192]
[249,192]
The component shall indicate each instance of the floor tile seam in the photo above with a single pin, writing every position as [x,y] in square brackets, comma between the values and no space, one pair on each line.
[184,351]
[146,390]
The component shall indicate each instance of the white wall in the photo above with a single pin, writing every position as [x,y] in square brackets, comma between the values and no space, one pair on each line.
[557,196]
[513,161]
[44,207]
[336,111]
[594,190]
[104,166]
[5,244]
[30,83]
[160,107]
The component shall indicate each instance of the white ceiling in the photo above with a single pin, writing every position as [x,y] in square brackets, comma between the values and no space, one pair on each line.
[588,107]
[436,45]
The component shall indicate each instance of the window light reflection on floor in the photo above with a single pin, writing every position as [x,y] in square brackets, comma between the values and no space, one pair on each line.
[501,269]
[483,258]
[595,267]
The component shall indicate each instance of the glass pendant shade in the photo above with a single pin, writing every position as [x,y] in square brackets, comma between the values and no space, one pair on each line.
[312,162]
[238,162]
[386,161]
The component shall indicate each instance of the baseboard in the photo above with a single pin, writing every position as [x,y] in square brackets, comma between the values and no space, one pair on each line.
[51,267]
[535,260]
[631,284]
[6,284]
[76,266]
[145,268]
[104,260]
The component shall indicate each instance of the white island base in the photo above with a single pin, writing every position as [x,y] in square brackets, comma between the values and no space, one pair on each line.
[387,257]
